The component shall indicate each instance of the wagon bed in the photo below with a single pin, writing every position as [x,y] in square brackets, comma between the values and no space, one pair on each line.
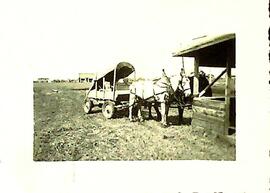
[108,92]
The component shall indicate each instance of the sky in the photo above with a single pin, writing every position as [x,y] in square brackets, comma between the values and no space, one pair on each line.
[59,39]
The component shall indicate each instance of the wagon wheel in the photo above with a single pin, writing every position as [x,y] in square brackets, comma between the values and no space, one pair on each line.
[108,109]
[87,107]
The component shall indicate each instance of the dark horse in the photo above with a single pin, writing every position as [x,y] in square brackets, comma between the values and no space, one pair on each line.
[203,83]
[183,101]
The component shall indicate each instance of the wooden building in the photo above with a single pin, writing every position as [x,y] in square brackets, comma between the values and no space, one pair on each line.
[86,77]
[214,113]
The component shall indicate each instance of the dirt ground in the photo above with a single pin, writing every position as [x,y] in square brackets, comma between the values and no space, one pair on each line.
[62,131]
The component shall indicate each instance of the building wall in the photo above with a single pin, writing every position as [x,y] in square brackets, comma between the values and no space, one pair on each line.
[86,77]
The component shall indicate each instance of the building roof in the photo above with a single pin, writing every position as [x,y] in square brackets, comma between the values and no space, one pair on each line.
[212,51]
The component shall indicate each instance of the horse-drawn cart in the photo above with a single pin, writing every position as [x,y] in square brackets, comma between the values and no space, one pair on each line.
[108,92]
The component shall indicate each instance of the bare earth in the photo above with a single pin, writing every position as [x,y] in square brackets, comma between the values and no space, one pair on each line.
[62,131]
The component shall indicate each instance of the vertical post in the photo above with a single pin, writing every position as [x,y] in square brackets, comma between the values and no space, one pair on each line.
[183,64]
[227,93]
[103,87]
[210,76]
[196,77]
[114,83]
[96,85]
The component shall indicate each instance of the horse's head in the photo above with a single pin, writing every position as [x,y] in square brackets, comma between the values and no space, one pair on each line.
[183,90]
[184,86]
[181,83]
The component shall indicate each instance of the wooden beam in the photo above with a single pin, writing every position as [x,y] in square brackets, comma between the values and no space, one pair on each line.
[216,127]
[183,64]
[96,85]
[211,104]
[114,83]
[103,87]
[196,77]
[208,111]
[227,93]
[211,84]
[208,118]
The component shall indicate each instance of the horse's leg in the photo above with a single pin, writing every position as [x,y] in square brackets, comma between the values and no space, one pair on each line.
[157,111]
[180,112]
[140,111]
[167,105]
[163,114]
[130,112]
[131,105]
[149,110]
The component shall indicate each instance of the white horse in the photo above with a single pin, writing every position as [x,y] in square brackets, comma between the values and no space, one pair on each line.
[160,91]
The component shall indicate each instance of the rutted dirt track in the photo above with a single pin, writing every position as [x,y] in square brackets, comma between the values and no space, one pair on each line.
[63,132]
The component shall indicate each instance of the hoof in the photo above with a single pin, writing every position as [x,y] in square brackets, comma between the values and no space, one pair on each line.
[159,118]
[164,125]
[180,122]
[132,120]
[141,120]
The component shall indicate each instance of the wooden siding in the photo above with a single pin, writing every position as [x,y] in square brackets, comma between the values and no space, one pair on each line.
[211,115]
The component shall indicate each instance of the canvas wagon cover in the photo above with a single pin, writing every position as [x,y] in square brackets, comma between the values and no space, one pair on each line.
[123,70]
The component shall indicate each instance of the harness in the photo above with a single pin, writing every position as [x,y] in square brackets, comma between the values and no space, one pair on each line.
[166,84]
[180,99]
[155,96]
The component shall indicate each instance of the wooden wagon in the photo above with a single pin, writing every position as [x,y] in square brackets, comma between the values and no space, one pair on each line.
[107,92]
[218,112]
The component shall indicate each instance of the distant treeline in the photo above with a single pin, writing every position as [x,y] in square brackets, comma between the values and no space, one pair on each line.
[55,80]
[69,80]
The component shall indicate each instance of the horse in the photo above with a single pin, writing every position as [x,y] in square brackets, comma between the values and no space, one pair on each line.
[183,101]
[161,91]
[203,83]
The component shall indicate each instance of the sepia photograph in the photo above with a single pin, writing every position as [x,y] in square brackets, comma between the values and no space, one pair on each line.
[146,96]
[110,116]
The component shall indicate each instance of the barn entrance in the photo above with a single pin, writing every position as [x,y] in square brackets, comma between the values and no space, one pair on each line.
[216,113]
